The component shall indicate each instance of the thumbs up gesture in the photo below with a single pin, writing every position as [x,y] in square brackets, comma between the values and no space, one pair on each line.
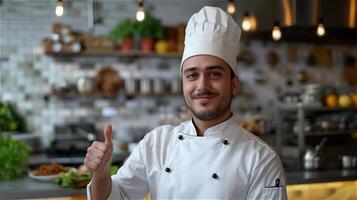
[99,154]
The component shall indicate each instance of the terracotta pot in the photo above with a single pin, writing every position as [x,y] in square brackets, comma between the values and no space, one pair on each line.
[127,44]
[147,45]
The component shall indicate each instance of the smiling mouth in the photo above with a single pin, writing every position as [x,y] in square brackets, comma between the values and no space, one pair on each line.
[203,97]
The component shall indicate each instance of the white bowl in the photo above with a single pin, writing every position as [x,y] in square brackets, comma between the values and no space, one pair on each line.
[49,178]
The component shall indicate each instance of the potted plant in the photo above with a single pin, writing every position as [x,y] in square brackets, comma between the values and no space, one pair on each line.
[10,119]
[123,33]
[150,30]
[14,155]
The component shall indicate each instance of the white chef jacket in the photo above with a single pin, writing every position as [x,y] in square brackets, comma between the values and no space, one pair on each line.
[228,162]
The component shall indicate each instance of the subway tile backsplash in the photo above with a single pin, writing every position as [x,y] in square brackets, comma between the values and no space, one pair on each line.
[27,75]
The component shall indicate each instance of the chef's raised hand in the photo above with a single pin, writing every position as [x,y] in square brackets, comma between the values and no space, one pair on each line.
[99,154]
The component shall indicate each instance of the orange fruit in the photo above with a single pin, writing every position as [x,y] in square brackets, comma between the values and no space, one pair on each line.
[354,99]
[331,101]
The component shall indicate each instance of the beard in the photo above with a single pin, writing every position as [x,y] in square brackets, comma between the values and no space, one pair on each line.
[208,115]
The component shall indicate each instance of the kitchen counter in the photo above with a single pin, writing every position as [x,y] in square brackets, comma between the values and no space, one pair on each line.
[303,177]
[39,159]
[29,188]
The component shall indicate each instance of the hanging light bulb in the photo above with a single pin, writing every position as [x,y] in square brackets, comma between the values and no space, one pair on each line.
[231,8]
[320,30]
[246,23]
[253,22]
[140,13]
[59,8]
[276,33]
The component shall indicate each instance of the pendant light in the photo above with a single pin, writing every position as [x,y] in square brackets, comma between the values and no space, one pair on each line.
[246,23]
[59,8]
[140,13]
[231,8]
[320,29]
[276,32]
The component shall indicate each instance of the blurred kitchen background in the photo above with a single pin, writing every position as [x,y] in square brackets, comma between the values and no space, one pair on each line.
[68,67]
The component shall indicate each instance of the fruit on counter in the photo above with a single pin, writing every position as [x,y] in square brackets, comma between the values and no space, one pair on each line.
[331,101]
[161,46]
[344,101]
[14,156]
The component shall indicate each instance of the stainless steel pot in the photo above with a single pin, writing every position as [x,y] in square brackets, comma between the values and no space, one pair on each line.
[348,161]
[311,160]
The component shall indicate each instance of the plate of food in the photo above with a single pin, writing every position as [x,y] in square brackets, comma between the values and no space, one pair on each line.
[48,172]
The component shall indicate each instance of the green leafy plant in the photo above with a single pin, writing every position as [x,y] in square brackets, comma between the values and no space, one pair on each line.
[151,27]
[10,120]
[14,156]
[124,29]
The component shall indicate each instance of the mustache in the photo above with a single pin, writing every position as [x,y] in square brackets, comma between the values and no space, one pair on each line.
[204,93]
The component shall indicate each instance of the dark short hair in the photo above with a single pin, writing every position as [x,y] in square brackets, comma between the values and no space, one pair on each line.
[232,73]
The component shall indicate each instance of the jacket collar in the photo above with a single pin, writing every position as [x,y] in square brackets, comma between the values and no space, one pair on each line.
[218,130]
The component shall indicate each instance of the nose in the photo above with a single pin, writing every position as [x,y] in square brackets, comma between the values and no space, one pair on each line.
[203,83]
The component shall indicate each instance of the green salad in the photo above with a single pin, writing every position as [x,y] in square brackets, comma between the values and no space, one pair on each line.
[78,178]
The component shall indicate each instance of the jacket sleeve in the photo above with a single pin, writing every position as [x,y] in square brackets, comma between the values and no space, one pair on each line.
[130,182]
[268,180]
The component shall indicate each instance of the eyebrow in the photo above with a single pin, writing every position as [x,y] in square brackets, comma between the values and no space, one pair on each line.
[213,67]
[219,67]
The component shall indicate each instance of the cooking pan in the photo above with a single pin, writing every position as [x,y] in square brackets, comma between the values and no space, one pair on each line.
[348,161]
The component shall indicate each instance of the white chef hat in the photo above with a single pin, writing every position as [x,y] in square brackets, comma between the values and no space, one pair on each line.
[214,32]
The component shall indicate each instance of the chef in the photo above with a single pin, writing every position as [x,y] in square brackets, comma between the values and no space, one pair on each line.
[207,157]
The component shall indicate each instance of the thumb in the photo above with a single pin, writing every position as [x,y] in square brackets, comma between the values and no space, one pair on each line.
[108,134]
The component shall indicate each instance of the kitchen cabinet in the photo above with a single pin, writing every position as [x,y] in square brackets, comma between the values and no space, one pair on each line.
[299,122]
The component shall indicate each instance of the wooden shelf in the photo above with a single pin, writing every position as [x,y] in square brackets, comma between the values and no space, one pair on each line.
[151,94]
[115,53]
[327,133]
[313,108]
[101,96]
[71,95]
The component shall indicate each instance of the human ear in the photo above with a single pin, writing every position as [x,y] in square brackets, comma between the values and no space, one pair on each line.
[235,85]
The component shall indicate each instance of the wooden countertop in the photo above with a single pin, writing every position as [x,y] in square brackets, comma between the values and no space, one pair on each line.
[26,187]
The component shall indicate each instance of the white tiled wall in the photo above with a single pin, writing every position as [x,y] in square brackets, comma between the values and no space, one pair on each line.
[26,74]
